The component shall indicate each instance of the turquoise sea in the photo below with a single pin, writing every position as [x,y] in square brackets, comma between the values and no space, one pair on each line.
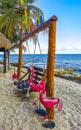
[61,61]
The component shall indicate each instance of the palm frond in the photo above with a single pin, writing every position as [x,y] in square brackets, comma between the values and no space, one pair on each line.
[4,18]
[14,21]
[22,3]
[16,46]
[29,1]
[35,12]
[32,7]
[24,48]
[10,29]
[9,23]
[35,39]
[26,20]
[7,4]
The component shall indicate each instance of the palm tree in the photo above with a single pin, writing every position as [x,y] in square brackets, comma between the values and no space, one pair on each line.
[17,16]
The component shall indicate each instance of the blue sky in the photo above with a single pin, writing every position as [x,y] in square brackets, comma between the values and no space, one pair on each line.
[68,38]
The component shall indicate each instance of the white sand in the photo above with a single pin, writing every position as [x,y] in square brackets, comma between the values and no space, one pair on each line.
[70,93]
[16,112]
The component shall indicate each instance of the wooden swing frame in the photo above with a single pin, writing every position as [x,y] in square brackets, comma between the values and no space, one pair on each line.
[51,24]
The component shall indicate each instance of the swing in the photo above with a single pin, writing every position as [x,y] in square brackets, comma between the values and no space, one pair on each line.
[39,72]
[24,84]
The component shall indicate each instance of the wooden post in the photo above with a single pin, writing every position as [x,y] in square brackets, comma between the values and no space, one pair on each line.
[51,64]
[20,61]
[8,60]
[4,69]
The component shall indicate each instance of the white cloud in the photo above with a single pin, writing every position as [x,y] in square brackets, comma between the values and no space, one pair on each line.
[77,47]
[69,49]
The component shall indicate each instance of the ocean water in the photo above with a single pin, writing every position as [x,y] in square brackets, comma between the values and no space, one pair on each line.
[61,60]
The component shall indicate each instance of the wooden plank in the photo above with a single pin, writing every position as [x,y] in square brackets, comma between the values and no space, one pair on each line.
[25,76]
[40,74]
[36,78]
[39,69]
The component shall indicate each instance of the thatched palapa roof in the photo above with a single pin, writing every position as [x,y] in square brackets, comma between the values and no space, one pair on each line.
[4,42]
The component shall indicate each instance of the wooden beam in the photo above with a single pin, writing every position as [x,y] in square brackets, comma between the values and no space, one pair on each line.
[4,67]
[23,76]
[40,28]
[20,61]
[51,65]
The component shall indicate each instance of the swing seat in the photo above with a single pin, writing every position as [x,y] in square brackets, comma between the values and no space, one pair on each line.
[40,74]
[23,84]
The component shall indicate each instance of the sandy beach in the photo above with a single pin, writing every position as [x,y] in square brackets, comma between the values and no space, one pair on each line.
[16,112]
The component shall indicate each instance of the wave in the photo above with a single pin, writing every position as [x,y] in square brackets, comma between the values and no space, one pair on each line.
[62,60]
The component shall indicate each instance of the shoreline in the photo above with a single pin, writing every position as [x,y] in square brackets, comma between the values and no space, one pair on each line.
[74,79]
[67,77]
